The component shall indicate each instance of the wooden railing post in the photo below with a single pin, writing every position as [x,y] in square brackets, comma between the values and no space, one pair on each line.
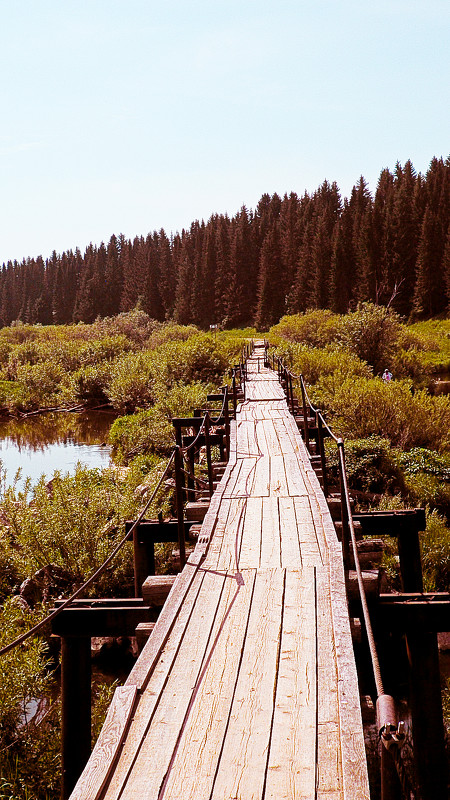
[344,510]
[425,686]
[227,422]
[179,484]
[143,559]
[76,709]
[322,452]
[208,456]
[305,414]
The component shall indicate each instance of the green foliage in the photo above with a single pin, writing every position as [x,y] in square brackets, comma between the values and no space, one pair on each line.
[22,670]
[359,408]
[314,363]
[131,382]
[171,332]
[141,433]
[88,385]
[10,574]
[316,328]
[435,544]
[371,464]
[371,333]
[75,524]
[135,325]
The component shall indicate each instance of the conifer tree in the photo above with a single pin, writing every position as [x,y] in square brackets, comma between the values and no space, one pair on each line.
[271,297]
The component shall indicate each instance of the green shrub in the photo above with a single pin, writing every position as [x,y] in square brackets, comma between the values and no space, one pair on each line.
[22,671]
[137,434]
[371,333]
[314,363]
[435,543]
[74,524]
[131,383]
[359,408]
[313,328]
[370,463]
[88,384]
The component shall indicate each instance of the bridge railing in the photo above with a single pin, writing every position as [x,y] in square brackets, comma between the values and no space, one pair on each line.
[395,780]
[210,429]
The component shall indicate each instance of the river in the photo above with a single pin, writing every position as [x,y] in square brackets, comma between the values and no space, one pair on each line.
[44,443]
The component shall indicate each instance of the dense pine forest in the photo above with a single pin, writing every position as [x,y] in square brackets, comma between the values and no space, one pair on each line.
[290,254]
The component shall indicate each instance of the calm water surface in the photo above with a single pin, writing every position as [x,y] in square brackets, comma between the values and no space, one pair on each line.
[48,442]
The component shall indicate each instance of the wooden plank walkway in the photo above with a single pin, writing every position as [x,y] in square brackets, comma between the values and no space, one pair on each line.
[247,687]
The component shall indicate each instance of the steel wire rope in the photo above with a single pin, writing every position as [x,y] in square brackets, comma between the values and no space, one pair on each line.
[395,751]
[94,576]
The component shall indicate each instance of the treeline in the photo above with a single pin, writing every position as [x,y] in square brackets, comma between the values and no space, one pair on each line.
[290,254]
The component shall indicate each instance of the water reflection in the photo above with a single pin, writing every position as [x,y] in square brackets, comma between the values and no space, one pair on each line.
[46,442]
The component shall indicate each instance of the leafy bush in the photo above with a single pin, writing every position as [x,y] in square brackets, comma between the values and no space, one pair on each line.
[75,523]
[371,333]
[314,363]
[131,382]
[371,464]
[22,670]
[88,384]
[435,544]
[313,328]
[137,434]
[360,408]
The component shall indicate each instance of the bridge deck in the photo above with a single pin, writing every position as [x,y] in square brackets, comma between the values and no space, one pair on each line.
[247,687]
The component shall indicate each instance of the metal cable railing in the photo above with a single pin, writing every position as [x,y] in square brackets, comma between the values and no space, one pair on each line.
[391,731]
[98,572]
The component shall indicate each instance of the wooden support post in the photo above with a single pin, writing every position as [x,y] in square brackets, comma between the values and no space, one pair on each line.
[322,453]
[291,389]
[410,561]
[234,393]
[76,709]
[179,502]
[144,560]
[426,714]
[344,509]
[227,423]
[425,684]
[208,456]
[305,415]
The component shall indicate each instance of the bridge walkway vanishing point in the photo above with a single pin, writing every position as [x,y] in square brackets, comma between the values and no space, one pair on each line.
[247,687]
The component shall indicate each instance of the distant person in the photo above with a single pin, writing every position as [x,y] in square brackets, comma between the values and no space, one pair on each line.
[387,376]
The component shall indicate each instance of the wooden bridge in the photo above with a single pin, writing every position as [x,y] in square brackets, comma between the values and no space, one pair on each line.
[247,687]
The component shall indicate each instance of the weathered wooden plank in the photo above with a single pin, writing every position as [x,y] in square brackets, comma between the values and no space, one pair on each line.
[272,439]
[355,781]
[228,556]
[103,758]
[295,482]
[150,699]
[158,743]
[250,545]
[290,545]
[244,484]
[271,533]
[292,759]
[142,670]
[307,525]
[278,480]
[243,760]
[194,763]
[261,481]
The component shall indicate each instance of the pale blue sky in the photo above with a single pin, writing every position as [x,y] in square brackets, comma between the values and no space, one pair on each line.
[131,115]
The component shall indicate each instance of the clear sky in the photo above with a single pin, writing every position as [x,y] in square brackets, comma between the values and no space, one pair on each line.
[125,116]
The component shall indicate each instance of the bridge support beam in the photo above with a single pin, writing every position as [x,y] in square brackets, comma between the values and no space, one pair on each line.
[76,709]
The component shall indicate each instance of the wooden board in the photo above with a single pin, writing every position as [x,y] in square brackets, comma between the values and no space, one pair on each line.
[247,687]
[292,759]
[241,770]
[194,763]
